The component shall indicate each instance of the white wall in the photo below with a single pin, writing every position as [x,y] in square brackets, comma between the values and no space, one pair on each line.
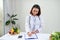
[50,12]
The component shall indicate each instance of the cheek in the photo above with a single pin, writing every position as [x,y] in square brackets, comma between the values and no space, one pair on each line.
[33,12]
[36,12]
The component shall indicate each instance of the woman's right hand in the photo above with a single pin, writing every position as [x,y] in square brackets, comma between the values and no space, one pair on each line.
[33,32]
[29,34]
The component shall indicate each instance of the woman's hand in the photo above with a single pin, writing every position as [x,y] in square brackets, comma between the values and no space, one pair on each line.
[34,32]
[37,31]
[29,34]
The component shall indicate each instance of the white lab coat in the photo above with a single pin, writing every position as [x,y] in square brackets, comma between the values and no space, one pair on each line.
[33,23]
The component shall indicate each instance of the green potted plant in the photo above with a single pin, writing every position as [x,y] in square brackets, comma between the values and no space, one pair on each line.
[12,20]
[55,36]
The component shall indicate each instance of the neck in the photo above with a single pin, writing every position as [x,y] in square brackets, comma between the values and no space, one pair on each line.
[34,15]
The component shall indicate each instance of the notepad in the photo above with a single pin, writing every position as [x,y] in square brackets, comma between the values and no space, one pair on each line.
[34,36]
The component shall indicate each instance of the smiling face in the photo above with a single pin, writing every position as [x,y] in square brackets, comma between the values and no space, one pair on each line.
[35,11]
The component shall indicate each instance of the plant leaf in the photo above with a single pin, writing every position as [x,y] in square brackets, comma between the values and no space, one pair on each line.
[15,29]
[13,15]
[15,19]
[8,14]
[7,22]
[13,22]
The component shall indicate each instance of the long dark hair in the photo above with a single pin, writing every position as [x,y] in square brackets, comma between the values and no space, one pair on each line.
[38,7]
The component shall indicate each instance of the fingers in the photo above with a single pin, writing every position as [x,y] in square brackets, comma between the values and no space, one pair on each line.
[33,32]
[29,34]
[37,31]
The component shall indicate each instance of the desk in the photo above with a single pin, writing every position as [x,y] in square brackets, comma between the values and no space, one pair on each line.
[41,36]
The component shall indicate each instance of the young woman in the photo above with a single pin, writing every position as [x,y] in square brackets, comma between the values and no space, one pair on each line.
[34,21]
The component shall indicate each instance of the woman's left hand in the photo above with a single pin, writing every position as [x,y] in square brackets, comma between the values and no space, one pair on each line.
[34,32]
[37,31]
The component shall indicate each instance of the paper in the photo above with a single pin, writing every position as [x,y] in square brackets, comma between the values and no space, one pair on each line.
[34,36]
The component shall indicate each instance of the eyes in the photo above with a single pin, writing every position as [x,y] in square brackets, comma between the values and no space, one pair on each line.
[35,11]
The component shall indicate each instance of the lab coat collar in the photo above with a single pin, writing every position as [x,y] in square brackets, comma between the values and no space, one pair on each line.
[33,16]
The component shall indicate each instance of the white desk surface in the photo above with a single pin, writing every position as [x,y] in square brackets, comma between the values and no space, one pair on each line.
[41,36]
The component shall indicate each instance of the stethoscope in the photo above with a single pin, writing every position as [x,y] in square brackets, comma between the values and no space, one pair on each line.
[33,27]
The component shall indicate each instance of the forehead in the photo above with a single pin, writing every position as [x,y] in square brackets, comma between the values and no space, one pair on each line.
[35,9]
